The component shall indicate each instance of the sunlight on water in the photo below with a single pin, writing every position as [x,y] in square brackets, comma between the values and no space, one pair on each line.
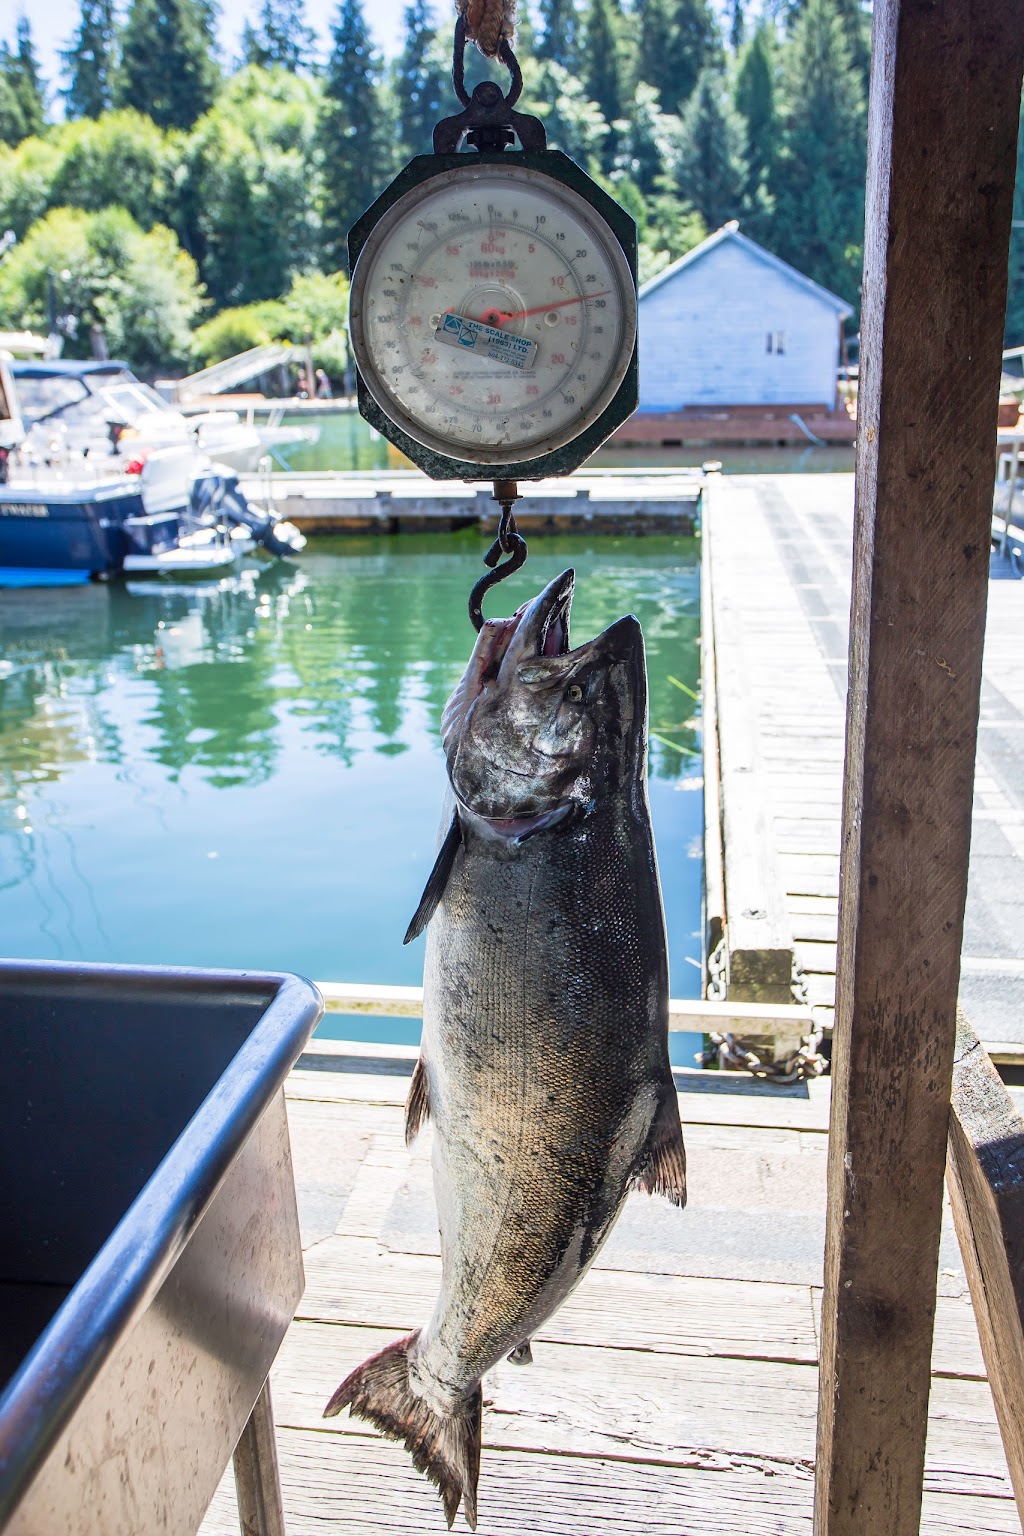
[247,773]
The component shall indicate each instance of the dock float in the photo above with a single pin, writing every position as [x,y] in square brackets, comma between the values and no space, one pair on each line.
[778,551]
[677,1388]
[600,501]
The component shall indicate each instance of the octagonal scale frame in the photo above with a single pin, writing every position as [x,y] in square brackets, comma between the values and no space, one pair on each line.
[559,461]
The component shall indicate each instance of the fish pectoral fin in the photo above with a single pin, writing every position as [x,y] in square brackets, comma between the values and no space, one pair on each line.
[417,1105]
[436,881]
[446,1448]
[662,1169]
[522,1354]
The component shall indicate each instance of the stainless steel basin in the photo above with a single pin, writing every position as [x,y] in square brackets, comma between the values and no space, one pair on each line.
[149,1245]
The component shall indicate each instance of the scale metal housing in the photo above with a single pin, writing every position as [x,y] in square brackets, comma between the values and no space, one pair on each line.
[620,227]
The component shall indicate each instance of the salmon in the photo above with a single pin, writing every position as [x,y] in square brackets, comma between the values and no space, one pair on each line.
[544,1064]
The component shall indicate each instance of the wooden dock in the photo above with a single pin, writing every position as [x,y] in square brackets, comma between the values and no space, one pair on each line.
[778,550]
[676,1391]
[600,501]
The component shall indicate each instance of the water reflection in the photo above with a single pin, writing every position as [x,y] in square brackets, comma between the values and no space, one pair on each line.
[247,772]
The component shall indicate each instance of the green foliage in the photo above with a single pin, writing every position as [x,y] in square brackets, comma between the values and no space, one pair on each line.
[560,33]
[22,99]
[282,40]
[709,171]
[317,303]
[574,124]
[421,80]
[755,101]
[1015,297]
[90,62]
[236,330]
[677,40]
[648,142]
[603,69]
[250,195]
[118,160]
[357,132]
[168,68]
[138,285]
[818,179]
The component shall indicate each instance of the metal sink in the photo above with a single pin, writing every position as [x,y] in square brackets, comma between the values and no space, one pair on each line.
[149,1245]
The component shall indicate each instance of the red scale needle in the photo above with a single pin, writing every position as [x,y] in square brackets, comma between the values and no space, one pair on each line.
[498,317]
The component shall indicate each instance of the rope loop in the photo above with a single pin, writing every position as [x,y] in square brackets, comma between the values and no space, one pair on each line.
[489,23]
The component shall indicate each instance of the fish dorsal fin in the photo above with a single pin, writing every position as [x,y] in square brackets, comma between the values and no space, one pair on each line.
[436,882]
[662,1169]
[417,1105]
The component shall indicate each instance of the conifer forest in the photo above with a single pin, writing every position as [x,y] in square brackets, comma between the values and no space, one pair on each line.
[193,205]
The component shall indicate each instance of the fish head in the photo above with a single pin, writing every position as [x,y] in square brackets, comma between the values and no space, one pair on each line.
[536,730]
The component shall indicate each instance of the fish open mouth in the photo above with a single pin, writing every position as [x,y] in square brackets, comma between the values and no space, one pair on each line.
[553,636]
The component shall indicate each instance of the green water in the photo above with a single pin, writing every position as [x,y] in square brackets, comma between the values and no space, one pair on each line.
[247,772]
[347,442]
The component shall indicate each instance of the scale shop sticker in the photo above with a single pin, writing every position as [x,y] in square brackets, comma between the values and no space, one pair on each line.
[486,341]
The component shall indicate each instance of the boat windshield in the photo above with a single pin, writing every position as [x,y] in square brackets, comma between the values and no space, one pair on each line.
[76,400]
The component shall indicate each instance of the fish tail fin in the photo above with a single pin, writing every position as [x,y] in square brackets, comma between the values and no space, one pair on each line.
[663,1168]
[447,1449]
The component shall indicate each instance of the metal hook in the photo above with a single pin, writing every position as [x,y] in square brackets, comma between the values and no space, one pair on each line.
[505,54]
[509,542]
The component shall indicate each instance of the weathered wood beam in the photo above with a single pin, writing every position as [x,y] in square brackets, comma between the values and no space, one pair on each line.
[985,1174]
[945,95]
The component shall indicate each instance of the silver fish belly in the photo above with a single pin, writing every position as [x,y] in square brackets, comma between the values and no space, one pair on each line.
[544,1063]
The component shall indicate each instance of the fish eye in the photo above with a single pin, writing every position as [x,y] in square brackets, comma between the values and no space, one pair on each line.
[574,693]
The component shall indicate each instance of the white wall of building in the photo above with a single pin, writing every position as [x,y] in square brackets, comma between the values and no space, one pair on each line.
[703,336]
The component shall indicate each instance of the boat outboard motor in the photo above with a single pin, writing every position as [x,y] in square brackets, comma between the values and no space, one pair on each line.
[277,536]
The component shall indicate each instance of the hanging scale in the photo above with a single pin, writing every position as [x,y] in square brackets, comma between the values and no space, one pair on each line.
[493,300]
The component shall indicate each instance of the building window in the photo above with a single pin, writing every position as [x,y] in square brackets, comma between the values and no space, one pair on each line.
[775,341]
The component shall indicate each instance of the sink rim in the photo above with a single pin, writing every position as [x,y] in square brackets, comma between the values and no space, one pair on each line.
[121,1280]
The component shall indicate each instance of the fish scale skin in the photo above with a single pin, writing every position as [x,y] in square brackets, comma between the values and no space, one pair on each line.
[545,1046]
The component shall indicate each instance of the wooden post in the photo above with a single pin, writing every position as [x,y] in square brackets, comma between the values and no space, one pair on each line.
[945,94]
[986,1190]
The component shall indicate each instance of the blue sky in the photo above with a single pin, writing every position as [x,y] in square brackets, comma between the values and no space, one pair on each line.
[54,22]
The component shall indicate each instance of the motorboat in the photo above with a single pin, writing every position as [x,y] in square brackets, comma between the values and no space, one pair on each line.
[100,409]
[70,513]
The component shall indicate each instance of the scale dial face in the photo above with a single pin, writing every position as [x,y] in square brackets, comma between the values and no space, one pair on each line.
[493,313]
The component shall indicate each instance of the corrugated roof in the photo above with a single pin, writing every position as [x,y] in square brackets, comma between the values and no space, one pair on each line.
[731,231]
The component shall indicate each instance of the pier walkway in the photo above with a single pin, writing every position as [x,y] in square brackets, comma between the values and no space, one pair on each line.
[675,1392]
[779,551]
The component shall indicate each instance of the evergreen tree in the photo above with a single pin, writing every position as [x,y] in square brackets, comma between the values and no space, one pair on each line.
[91,60]
[12,118]
[282,40]
[648,143]
[168,68]
[677,39]
[421,80]
[818,180]
[356,131]
[559,40]
[22,70]
[710,172]
[573,123]
[602,69]
[737,26]
[755,102]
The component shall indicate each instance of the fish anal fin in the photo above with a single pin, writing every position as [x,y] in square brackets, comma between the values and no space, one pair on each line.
[662,1169]
[522,1354]
[436,881]
[417,1105]
[445,1447]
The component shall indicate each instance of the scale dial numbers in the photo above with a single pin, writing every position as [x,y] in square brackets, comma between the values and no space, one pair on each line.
[493,314]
